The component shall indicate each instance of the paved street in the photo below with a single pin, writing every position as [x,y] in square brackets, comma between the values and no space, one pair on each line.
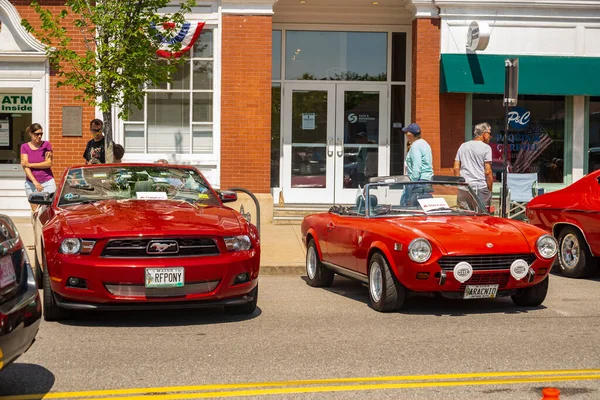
[303,333]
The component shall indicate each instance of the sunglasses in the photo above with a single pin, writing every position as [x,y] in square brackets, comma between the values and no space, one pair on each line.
[37,133]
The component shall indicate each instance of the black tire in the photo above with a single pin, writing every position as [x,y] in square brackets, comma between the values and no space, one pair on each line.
[52,312]
[574,257]
[318,275]
[532,296]
[247,308]
[391,295]
[37,271]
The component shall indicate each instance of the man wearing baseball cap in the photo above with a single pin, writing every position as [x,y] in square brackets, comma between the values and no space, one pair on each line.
[419,161]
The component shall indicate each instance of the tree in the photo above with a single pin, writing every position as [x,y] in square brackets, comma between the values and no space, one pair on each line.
[119,60]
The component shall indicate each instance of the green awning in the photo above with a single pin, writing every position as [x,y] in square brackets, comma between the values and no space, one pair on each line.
[541,75]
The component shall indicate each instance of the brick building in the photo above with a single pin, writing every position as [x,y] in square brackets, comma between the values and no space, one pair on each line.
[282,96]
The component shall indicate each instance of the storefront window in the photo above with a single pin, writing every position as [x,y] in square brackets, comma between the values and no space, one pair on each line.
[337,56]
[536,137]
[594,132]
[164,126]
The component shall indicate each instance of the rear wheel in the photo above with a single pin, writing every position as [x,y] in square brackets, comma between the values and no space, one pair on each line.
[52,312]
[574,257]
[318,274]
[532,296]
[385,292]
[247,308]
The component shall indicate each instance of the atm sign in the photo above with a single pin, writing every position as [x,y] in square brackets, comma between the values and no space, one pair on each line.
[15,103]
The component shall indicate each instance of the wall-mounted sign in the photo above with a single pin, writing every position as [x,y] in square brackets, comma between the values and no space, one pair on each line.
[308,121]
[15,103]
[478,35]
[5,133]
[518,118]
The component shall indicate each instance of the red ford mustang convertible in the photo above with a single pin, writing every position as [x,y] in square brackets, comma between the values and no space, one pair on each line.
[427,237]
[133,236]
[572,214]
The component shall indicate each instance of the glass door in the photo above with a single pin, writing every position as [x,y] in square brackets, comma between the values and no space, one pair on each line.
[308,143]
[361,138]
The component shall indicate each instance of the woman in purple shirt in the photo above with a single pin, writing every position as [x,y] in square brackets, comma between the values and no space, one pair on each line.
[36,159]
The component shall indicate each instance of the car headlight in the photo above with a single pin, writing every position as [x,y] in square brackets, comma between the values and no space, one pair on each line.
[547,246]
[238,243]
[70,246]
[419,250]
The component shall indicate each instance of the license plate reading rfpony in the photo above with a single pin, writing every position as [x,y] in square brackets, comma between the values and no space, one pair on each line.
[164,277]
[480,292]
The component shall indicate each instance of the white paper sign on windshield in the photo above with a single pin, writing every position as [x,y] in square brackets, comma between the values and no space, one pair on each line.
[434,204]
[151,196]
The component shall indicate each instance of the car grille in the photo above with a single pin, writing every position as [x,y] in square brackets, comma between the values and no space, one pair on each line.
[485,262]
[128,290]
[496,278]
[187,247]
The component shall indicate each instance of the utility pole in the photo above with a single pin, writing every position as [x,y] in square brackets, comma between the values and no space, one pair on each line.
[511,92]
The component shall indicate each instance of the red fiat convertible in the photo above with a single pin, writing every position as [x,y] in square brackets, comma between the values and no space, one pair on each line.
[572,215]
[427,237]
[134,236]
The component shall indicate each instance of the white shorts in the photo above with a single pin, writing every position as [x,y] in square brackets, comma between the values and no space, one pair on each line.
[49,187]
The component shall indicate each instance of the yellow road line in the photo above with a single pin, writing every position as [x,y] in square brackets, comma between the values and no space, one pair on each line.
[162,392]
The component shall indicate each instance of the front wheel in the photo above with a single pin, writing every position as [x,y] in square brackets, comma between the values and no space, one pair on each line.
[318,274]
[574,257]
[52,311]
[532,296]
[247,308]
[385,292]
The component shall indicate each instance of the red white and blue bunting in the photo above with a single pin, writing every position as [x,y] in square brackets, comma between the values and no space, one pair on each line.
[187,36]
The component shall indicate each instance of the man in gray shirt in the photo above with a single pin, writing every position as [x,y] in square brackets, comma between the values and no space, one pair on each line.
[473,162]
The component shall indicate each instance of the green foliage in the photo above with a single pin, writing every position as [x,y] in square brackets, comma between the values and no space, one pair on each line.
[119,55]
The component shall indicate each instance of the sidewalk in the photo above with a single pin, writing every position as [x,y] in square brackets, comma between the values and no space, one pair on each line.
[282,252]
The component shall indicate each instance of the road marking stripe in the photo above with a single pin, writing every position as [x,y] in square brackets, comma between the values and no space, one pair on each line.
[162,392]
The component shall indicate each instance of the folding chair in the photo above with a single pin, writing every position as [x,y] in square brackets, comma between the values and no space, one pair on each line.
[521,189]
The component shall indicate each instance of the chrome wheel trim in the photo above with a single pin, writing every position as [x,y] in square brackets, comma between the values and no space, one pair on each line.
[311,263]
[375,281]
[569,251]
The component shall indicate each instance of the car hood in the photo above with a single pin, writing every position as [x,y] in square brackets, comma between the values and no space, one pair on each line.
[125,217]
[468,235]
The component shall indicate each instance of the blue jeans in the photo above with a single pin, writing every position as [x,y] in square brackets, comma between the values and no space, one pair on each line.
[412,192]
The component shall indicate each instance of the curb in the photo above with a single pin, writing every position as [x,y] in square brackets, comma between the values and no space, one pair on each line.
[281,270]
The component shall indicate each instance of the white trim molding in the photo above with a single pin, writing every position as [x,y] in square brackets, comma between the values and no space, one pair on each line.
[424,8]
[13,20]
[243,7]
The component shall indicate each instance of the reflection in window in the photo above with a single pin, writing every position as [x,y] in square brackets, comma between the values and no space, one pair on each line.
[339,56]
[275,133]
[171,106]
[276,57]
[594,138]
[536,143]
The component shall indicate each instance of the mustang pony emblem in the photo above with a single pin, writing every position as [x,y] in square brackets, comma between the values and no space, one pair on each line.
[162,247]
[489,245]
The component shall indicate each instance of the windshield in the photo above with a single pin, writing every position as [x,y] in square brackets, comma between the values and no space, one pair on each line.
[131,182]
[420,198]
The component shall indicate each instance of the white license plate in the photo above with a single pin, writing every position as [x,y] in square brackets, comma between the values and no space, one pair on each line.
[164,277]
[7,272]
[480,291]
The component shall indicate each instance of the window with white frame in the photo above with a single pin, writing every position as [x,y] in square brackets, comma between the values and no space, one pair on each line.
[177,117]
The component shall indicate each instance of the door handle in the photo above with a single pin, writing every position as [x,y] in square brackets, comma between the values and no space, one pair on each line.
[340,142]
[329,144]
[330,226]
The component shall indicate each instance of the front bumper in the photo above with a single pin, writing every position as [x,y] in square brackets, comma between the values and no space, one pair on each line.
[119,282]
[436,282]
